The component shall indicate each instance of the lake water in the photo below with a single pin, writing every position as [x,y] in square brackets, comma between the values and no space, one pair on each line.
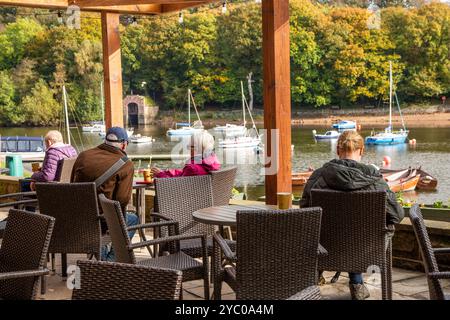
[432,152]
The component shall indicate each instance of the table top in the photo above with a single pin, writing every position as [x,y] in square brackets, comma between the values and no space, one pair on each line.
[137,185]
[225,215]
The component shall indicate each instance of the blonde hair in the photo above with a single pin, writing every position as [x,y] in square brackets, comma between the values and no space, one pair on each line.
[350,141]
[54,136]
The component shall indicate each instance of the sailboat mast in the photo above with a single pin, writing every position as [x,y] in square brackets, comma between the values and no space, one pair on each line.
[390,95]
[243,103]
[66,114]
[102,102]
[189,106]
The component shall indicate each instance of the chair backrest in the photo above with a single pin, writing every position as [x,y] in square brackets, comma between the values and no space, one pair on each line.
[426,250]
[276,252]
[179,197]
[24,248]
[101,280]
[64,171]
[75,208]
[222,185]
[117,230]
[353,229]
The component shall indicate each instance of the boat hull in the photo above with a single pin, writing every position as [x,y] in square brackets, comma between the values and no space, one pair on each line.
[385,140]
[300,179]
[406,185]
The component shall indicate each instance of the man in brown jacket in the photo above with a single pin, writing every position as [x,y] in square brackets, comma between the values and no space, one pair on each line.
[93,163]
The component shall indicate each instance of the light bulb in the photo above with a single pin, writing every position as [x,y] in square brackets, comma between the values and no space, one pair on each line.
[134,23]
[257,1]
[224,7]
[180,18]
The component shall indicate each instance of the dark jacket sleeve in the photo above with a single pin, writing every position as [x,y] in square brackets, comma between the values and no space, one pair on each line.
[394,210]
[124,187]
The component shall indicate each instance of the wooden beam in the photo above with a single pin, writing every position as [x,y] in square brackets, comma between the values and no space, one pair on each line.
[165,8]
[107,3]
[277,95]
[112,69]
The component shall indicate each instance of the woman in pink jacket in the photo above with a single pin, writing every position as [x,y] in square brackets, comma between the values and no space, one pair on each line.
[203,159]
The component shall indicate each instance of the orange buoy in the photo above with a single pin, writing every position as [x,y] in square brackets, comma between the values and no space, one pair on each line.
[412,141]
[359,127]
[387,160]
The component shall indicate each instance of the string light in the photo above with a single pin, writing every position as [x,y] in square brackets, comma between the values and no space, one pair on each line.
[60,17]
[257,1]
[180,18]
[224,7]
[134,23]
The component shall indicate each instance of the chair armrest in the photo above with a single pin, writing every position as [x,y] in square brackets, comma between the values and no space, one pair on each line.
[167,240]
[441,250]
[321,251]
[21,202]
[310,293]
[23,274]
[439,275]
[160,216]
[154,225]
[18,194]
[229,254]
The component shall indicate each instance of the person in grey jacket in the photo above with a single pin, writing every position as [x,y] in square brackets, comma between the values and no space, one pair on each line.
[348,174]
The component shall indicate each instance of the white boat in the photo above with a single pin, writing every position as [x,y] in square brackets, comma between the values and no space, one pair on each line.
[240,142]
[186,128]
[248,140]
[231,129]
[94,128]
[389,136]
[328,135]
[29,148]
[130,132]
[137,138]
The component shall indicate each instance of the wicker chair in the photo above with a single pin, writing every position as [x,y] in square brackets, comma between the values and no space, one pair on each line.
[222,184]
[310,293]
[75,207]
[123,248]
[276,254]
[429,260]
[177,199]
[23,254]
[101,280]
[354,233]
[64,173]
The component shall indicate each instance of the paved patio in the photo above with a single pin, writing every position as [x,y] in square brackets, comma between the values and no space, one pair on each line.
[407,285]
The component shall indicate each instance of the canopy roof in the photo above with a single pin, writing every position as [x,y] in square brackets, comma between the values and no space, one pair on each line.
[117,6]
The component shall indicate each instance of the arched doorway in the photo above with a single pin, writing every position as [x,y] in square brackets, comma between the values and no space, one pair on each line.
[133,111]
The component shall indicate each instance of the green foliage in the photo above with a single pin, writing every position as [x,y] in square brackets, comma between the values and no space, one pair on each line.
[335,58]
[40,108]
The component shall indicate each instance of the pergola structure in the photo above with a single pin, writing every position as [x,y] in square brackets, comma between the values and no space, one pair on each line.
[276,62]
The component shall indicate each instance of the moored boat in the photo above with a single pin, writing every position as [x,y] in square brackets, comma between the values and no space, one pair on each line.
[402,180]
[344,124]
[140,139]
[300,178]
[328,135]
[426,181]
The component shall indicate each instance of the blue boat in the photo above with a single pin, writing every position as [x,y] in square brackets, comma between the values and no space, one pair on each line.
[389,136]
[344,124]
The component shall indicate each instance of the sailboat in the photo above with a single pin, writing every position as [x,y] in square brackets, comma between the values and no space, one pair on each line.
[389,136]
[186,128]
[234,129]
[247,140]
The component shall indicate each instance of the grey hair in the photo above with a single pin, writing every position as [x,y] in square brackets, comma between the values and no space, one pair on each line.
[203,142]
[54,136]
[113,144]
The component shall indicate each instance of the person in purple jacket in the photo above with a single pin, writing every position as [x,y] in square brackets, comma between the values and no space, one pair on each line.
[56,151]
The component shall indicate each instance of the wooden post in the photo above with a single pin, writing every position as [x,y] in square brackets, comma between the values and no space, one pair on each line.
[112,70]
[277,95]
